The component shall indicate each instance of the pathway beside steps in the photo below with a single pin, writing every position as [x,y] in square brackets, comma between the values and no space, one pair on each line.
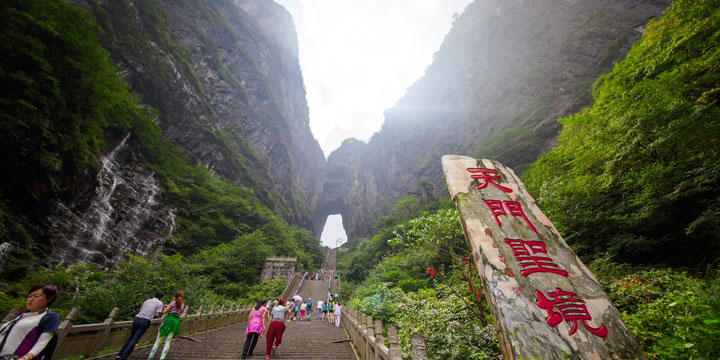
[311,339]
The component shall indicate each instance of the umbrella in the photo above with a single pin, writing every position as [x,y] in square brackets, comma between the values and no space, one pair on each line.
[297,298]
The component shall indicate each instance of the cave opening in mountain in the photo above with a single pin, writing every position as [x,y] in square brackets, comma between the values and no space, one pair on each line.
[333,233]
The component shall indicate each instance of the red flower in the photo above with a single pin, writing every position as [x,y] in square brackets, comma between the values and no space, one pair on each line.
[466,260]
[431,271]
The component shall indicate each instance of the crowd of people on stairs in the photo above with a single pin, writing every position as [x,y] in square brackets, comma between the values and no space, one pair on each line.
[279,311]
[32,334]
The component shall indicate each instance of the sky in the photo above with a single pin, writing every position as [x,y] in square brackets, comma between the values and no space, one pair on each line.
[358,57]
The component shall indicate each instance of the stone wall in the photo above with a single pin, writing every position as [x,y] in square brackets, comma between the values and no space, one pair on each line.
[279,268]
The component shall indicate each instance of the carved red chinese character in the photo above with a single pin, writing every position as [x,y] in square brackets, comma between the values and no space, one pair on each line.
[486,176]
[496,208]
[532,264]
[569,309]
[516,210]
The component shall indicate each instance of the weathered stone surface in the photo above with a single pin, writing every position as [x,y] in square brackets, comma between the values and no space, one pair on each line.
[123,214]
[505,72]
[226,80]
[279,268]
[513,272]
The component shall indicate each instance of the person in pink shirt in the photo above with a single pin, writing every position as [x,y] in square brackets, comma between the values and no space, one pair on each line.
[255,328]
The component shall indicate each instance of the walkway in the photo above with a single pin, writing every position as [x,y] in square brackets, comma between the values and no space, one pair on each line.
[311,339]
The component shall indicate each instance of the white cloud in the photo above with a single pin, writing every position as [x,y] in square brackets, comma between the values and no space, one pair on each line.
[358,57]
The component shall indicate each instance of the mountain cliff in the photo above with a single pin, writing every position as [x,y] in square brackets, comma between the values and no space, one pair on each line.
[503,75]
[219,145]
[225,78]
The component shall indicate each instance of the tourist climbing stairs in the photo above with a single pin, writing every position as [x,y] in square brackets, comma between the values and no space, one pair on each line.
[303,339]
[220,333]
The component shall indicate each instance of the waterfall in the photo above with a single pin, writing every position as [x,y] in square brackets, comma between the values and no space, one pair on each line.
[123,216]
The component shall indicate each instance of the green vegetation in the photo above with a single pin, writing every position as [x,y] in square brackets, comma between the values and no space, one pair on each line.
[637,174]
[672,313]
[58,96]
[387,277]
[136,279]
[633,183]
[60,100]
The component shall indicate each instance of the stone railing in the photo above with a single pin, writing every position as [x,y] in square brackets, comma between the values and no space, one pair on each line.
[302,280]
[281,258]
[366,336]
[292,286]
[89,340]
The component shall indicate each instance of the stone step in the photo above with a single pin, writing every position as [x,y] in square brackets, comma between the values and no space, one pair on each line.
[302,339]
[311,339]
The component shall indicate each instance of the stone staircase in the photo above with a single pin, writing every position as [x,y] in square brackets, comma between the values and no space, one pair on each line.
[311,339]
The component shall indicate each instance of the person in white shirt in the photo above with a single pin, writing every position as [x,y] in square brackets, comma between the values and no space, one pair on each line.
[149,309]
[319,309]
[338,313]
[277,327]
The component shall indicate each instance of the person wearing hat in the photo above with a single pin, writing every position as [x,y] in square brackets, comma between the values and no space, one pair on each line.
[277,327]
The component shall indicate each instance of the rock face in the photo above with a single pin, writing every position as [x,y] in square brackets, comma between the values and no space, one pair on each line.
[225,79]
[504,74]
[124,214]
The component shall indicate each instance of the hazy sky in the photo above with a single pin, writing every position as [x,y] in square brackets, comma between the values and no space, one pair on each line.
[358,57]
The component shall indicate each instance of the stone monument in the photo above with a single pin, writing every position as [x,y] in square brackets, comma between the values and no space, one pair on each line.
[545,303]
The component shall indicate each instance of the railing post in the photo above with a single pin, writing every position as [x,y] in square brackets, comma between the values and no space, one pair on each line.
[192,325]
[236,315]
[379,339]
[208,319]
[356,329]
[393,343]
[229,316]
[363,336]
[218,317]
[417,344]
[370,333]
[65,327]
[102,334]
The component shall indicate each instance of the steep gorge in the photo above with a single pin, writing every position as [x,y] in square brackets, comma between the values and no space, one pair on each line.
[503,75]
[222,81]
[226,81]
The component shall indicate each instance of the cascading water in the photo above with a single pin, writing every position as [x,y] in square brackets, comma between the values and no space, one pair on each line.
[124,215]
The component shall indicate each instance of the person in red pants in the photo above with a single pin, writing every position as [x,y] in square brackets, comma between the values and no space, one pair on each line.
[277,327]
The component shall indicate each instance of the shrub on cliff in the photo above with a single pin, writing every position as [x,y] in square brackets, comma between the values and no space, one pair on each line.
[638,173]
